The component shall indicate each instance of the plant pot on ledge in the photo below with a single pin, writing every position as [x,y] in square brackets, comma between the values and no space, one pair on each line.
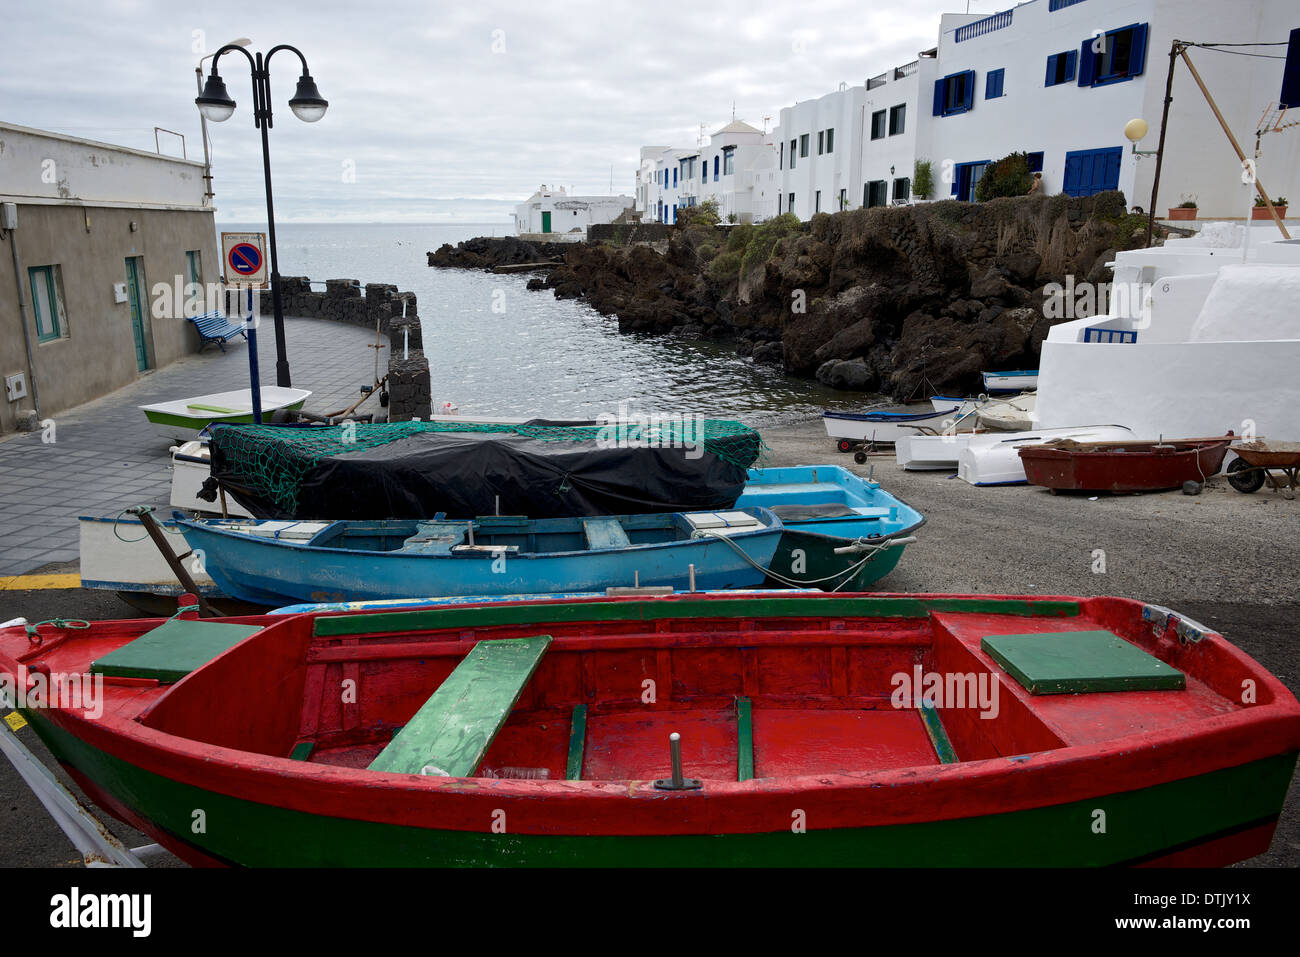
[1182,212]
[1261,212]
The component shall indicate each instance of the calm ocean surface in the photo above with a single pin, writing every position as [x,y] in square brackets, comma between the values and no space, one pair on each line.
[540,356]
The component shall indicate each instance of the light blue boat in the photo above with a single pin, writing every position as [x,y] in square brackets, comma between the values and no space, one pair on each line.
[842,532]
[279,562]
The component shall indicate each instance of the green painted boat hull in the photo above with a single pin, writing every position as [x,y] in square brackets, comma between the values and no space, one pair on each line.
[1140,825]
[809,560]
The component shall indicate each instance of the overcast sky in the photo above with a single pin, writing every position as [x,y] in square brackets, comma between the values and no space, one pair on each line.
[443,111]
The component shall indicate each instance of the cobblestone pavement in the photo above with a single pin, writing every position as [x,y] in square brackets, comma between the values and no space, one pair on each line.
[105,456]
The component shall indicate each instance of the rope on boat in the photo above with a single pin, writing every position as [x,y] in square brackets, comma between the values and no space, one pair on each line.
[63,623]
[848,573]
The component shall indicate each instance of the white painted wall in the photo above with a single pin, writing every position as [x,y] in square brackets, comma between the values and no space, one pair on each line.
[568,213]
[39,168]
[1031,116]
[826,172]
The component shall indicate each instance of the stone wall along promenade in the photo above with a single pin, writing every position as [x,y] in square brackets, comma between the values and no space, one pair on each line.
[375,304]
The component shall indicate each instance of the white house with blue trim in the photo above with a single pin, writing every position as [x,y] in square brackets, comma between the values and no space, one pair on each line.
[1059,79]
[737,169]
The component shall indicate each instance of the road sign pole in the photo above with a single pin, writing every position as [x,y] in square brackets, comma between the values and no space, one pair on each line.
[255,379]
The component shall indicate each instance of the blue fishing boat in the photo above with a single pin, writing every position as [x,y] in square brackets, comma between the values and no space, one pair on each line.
[842,532]
[277,562]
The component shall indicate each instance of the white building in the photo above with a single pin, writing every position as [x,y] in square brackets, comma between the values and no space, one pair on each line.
[738,169]
[854,147]
[553,210]
[1059,79]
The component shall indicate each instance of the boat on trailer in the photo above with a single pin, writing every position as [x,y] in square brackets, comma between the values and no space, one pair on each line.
[279,562]
[1123,466]
[799,730]
[184,419]
[850,429]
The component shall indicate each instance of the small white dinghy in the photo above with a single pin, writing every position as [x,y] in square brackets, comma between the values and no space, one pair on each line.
[1019,380]
[918,453]
[993,458]
[882,427]
[183,419]
[1009,415]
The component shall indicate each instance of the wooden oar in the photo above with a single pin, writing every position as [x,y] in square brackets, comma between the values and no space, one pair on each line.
[1135,443]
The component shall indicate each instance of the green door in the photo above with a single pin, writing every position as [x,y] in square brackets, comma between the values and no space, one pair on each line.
[546,222]
[135,292]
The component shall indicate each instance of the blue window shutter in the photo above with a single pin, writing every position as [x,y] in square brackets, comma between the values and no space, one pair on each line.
[1087,63]
[1137,57]
[970,90]
[1051,70]
[1071,61]
[938,97]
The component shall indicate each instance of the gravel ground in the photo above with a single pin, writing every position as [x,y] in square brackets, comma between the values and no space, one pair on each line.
[1223,558]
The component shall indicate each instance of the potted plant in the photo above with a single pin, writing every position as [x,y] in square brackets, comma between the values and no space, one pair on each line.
[1261,211]
[1186,209]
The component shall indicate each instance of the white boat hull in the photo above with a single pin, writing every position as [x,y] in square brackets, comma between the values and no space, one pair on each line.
[995,382]
[184,419]
[188,477]
[118,555]
[993,458]
[1009,415]
[886,432]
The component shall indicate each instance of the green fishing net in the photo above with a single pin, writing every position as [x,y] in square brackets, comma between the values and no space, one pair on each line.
[272,460]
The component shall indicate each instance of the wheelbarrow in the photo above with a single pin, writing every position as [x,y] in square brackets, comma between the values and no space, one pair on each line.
[1256,462]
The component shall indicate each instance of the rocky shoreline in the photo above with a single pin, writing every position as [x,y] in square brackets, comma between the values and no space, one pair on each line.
[903,301]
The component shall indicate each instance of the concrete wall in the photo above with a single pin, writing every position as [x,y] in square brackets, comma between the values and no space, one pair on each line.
[90,245]
[86,207]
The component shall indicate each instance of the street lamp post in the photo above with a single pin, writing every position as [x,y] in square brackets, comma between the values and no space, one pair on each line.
[203,122]
[307,104]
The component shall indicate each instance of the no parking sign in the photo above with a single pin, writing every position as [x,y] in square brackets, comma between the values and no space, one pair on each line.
[244,256]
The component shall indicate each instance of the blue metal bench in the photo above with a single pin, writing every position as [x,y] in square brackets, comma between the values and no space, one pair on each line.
[214,327]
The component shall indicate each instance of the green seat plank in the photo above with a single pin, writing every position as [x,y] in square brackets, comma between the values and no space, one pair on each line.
[172,650]
[453,729]
[938,736]
[302,750]
[744,739]
[577,743]
[1080,662]
[605,533]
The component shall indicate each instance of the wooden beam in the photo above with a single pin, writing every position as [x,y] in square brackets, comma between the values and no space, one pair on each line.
[938,736]
[744,739]
[577,743]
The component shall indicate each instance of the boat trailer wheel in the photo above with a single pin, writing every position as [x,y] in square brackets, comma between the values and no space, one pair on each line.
[844,445]
[860,458]
[1245,477]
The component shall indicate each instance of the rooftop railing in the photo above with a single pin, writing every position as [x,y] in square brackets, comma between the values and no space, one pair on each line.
[981,27]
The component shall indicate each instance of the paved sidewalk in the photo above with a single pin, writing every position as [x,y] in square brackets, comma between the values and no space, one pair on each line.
[105,456]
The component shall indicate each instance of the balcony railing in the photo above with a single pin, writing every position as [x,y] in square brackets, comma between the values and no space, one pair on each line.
[906,70]
[1054,5]
[877,81]
[981,27]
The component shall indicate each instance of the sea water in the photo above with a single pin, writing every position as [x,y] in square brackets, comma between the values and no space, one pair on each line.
[497,349]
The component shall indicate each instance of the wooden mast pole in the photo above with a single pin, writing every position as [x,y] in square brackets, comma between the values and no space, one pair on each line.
[1235,145]
[1174,50]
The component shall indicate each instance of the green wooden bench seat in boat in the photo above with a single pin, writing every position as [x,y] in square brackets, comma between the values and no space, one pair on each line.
[1080,662]
[604,533]
[453,730]
[172,650]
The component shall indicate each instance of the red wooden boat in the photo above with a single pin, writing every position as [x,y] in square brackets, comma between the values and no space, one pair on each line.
[814,730]
[1122,466]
